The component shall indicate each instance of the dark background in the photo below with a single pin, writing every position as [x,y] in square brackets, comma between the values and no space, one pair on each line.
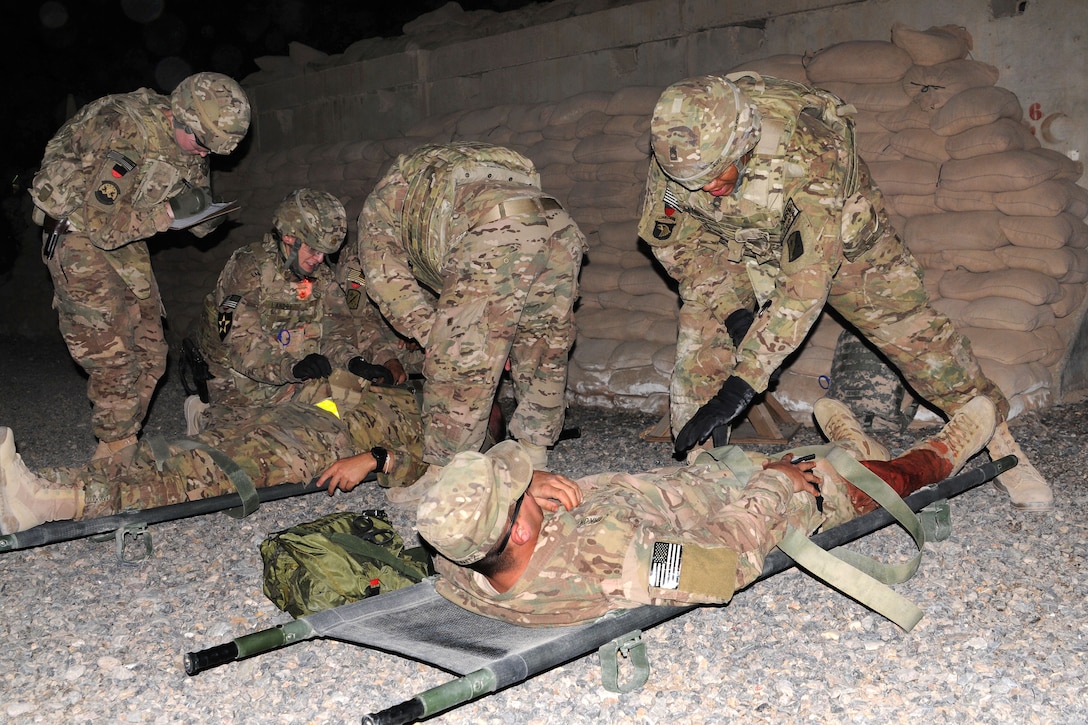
[90,48]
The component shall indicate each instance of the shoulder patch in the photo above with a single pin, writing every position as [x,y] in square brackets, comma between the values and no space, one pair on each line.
[665,565]
[795,246]
[663,228]
[789,216]
[107,193]
[226,315]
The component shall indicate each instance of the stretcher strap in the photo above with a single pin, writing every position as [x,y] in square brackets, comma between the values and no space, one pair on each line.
[856,575]
[243,484]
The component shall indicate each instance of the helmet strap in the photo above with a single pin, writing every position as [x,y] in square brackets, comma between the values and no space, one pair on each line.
[289,255]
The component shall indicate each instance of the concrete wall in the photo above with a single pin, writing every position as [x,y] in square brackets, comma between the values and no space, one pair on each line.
[548,78]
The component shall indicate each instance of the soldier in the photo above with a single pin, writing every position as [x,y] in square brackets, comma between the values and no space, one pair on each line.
[278,317]
[569,552]
[464,254]
[120,170]
[338,429]
[758,205]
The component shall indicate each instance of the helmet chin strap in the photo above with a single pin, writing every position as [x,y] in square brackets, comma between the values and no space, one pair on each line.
[290,256]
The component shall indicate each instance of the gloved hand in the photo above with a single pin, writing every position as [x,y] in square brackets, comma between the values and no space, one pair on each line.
[312,366]
[727,404]
[191,201]
[367,371]
[738,323]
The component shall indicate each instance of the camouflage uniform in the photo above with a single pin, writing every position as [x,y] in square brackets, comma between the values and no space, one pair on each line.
[804,226]
[109,173]
[261,319]
[470,222]
[597,557]
[291,442]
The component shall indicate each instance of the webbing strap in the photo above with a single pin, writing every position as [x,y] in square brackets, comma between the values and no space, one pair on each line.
[856,575]
[243,484]
[362,547]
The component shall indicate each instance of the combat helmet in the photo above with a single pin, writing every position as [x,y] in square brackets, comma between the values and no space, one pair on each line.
[214,108]
[700,126]
[314,217]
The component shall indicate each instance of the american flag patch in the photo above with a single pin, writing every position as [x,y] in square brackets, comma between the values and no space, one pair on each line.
[665,565]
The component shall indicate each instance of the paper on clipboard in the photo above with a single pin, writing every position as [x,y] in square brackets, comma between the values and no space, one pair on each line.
[213,211]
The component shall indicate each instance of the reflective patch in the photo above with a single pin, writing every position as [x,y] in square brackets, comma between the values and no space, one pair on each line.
[665,565]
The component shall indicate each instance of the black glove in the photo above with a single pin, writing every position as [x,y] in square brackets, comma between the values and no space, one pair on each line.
[192,200]
[312,366]
[727,404]
[738,323]
[374,373]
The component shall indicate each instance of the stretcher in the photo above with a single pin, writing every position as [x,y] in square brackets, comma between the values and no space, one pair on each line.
[487,654]
[129,528]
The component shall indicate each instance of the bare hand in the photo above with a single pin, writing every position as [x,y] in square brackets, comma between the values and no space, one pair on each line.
[394,367]
[802,475]
[552,490]
[346,473]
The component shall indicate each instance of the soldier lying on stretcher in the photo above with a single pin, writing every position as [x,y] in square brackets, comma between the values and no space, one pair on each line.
[539,549]
[337,429]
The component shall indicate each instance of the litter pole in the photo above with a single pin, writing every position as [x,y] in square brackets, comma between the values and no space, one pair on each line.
[57,531]
[435,700]
[873,521]
[248,645]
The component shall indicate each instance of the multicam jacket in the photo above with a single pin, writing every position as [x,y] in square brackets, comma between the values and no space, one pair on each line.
[409,224]
[612,551]
[112,167]
[803,204]
[261,319]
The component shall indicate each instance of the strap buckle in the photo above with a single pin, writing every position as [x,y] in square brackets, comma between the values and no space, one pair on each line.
[630,647]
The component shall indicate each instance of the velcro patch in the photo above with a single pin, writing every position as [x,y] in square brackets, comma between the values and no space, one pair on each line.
[708,574]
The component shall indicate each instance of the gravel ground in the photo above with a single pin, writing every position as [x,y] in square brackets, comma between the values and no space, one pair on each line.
[88,639]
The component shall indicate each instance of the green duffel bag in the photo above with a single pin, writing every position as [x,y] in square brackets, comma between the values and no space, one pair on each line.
[337,559]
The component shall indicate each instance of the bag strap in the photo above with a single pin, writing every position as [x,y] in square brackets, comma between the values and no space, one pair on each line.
[362,547]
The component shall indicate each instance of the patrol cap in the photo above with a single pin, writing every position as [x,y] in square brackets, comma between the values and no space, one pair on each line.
[700,126]
[315,217]
[464,513]
[214,108]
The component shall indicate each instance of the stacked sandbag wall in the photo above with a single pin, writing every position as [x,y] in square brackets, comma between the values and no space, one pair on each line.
[997,221]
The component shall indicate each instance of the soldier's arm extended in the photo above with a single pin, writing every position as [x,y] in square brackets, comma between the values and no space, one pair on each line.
[811,253]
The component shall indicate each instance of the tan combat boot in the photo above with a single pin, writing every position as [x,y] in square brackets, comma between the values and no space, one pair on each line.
[839,424]
[1026,487]
[126,447]
[194,415]
[27,500]
[964,435]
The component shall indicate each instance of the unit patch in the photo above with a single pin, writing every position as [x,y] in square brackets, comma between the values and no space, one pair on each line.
[226,315]
[107,193]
